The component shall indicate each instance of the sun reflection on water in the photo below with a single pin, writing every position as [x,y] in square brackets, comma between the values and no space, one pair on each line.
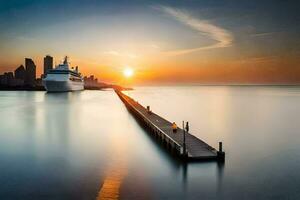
[116,170]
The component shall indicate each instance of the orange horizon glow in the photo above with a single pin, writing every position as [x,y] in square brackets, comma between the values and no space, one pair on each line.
[162,71]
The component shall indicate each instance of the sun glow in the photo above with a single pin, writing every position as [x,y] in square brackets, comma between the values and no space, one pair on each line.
[128,72]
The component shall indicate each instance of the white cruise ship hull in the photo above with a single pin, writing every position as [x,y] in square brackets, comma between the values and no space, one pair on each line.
[62,86]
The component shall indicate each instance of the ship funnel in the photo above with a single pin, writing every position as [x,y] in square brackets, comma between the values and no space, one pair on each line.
[66,60]
[76,68]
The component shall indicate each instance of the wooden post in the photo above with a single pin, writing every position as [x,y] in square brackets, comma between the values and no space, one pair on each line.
[184,146]
[220,147]
[221,153]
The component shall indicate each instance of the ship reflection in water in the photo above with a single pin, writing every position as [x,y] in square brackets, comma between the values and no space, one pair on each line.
[86,145]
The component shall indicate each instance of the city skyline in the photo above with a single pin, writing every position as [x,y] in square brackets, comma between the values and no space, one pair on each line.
[163,41]
[26,77]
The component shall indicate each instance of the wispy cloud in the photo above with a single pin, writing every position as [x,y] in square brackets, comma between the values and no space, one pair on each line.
[154,46]
[262,59]
[117,53]
[221,36]
[257,59]
[114,53]
[263,34]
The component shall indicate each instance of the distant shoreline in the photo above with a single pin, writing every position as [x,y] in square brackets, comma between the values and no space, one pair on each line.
[41,88]
[117,87]
[192,85]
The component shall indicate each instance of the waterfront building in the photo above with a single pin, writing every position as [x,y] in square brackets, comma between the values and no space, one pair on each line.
[3,79]
[91,81]
[48,64]
[10,78]
[30,72]
[39,82]
[20,73]
[7,79]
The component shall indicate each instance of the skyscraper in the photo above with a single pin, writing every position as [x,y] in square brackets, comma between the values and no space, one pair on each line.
[48,64]
[30,72]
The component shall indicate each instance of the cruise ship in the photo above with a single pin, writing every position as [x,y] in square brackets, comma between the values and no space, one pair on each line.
[63,79]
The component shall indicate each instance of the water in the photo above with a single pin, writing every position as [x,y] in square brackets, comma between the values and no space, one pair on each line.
[86,145]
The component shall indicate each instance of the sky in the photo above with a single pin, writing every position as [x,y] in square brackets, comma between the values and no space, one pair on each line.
[164,42]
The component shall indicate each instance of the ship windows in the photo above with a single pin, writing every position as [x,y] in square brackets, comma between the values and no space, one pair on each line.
[75,79]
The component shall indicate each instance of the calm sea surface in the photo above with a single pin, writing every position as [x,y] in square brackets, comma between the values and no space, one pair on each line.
[85,145]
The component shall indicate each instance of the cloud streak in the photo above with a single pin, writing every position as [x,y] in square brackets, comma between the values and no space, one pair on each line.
[117,53]
[221,36]
[263,34]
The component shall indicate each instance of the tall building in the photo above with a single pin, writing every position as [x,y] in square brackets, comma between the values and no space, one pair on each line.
[48,64]
[20,73]
[30,72]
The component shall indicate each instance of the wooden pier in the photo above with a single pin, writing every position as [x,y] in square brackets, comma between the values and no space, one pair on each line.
[185,145]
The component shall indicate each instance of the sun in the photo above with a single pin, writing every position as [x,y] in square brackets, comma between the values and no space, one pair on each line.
[128,72]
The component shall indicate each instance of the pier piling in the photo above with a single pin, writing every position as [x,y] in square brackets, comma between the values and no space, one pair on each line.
[221,154]
[220,147]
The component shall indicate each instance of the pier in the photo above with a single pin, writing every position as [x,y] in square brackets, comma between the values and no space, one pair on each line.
[185,145]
